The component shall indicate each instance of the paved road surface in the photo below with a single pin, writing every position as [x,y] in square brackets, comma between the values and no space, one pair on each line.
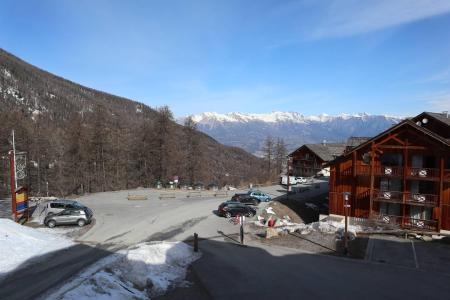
[226,271]
[277,273]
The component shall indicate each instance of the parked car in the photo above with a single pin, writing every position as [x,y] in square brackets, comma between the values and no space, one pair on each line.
[260,195]
[232,208]
[252,194]
[300,179]
[57,206]
[284,180]
[246,199]
[79,216]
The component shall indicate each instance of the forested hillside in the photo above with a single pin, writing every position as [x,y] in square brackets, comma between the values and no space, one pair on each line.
[81,140]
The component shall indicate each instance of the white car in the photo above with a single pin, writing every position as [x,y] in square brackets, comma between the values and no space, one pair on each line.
[301,179]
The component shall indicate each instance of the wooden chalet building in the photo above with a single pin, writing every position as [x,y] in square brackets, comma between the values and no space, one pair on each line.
[310,158]
[400,177]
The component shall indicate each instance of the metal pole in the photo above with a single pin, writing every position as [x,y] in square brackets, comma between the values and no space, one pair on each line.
[14,154]
[241,231]
[346,206]
[13,187]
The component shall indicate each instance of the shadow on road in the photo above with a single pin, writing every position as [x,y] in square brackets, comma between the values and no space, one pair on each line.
[227,271]
[39,274]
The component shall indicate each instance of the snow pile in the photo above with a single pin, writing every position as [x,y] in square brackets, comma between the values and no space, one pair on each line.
[146,270]
[19,243]
[331,227]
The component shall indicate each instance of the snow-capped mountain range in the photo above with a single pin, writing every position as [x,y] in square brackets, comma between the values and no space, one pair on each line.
[248,131]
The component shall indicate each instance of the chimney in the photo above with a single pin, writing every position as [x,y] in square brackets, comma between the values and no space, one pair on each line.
[445,113]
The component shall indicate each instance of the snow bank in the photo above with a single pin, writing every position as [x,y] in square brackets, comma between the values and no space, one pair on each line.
[19,243]
[141,272]
[331,227]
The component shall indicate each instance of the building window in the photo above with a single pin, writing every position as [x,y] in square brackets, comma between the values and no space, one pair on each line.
[366,158]
[390,209]
[391,159]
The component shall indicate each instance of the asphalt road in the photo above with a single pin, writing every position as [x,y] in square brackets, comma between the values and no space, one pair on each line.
[226,270]
[279,273]
[119,223]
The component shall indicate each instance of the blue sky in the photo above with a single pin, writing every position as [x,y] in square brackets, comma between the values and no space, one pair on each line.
[312,57]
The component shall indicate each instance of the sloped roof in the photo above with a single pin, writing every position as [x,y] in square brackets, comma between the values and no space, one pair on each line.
[441,117]
[355,141]
[409,122]
[328,151]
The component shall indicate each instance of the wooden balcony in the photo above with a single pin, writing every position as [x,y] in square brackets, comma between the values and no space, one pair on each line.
[388,196]
[421,199]
[423,173]
[406,198]
[388,171]
[407,222]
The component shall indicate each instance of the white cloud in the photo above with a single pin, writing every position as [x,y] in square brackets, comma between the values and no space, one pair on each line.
[439,77]
[358,17]
[438,101]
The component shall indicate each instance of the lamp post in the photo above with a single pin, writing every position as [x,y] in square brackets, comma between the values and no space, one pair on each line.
[289,162]
[346,206]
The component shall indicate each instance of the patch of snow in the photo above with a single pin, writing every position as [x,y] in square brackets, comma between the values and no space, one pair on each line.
[141,272]
[19,243]
[269,210]
[7,73]
[331,227]
[15,93]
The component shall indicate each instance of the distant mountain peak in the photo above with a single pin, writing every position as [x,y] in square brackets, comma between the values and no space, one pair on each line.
[249,130]
[278,116]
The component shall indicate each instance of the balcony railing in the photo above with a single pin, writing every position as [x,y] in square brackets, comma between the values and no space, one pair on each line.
[390,171]
[388,196]
[407,222]
[423,173]
[406,198]
[421,199]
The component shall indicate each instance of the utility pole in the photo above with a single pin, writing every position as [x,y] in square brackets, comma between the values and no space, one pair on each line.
[14,158]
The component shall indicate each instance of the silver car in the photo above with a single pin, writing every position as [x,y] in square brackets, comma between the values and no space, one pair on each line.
[78,216]
[57,206]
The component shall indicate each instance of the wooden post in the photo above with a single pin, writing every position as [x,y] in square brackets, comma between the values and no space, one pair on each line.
[353,185]
[441,193]
[372,179]
[195,242]
[405,174]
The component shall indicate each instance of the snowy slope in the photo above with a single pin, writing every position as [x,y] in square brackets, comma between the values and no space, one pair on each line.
[141,272]
[248,131]
[19,243]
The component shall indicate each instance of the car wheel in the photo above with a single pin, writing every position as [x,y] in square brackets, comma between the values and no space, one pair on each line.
[81,222]
[227,215]
[51,223]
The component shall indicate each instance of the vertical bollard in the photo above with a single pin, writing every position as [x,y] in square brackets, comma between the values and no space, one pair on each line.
[195,242]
